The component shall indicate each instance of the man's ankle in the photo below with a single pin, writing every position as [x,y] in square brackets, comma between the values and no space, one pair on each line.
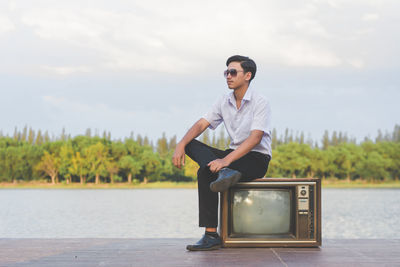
[213,234]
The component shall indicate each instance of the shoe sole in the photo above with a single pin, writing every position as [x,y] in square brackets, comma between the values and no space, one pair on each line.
[224,184]
[190,248]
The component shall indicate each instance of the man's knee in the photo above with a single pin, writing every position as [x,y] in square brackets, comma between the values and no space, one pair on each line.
[191,145]
[203,172]
[205,176]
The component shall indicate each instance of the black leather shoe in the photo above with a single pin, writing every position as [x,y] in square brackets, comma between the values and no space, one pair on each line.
[226,178]
[207,242]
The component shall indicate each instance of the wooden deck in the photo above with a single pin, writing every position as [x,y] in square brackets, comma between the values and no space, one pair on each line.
[172,252]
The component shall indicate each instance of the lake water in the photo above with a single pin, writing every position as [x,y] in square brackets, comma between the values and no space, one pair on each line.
[150,213]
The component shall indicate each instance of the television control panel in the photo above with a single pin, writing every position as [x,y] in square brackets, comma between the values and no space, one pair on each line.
[303,191]
[303,199]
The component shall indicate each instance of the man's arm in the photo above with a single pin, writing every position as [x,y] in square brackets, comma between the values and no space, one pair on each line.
[178,159]
[244,148]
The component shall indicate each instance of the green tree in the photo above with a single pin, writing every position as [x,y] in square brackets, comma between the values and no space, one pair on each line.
[130,165]
[214,140]
[79,167]
[294,159]
[318,163]
[133,148]
[151,166]
[31,136]
[17,135]
[29,157]
[117,150]
[334,140]
[66,154]
[301,140]
[325,140]
[162,146]
[221,142]
[39,138]
[46,137]
[396,134]
[372,167]
[12,157]
[146,142]
[24,134]
[274,139]
[390,151]
[205,137]
[172,143]
[112,168]
[50,165]
[139,139]
[96,156]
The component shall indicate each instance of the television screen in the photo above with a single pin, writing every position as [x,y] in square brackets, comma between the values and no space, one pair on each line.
[261,212]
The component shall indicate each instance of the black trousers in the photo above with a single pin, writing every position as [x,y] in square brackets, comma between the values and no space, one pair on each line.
[252,165]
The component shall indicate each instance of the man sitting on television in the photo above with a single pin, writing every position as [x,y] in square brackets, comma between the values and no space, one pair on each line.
[246,115]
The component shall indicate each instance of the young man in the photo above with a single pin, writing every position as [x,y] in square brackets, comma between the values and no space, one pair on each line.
[246,116]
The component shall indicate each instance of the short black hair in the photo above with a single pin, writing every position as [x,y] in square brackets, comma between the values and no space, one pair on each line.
[246,63]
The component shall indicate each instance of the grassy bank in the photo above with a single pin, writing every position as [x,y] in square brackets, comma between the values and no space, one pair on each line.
[44,185]
[335,183]
[326,183]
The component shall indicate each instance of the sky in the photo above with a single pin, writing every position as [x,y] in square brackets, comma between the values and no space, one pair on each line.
[157,66]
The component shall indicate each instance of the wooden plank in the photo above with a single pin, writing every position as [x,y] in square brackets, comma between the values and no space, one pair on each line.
[171,252]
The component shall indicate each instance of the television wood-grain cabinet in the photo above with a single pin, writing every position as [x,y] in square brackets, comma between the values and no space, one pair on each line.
[272,212]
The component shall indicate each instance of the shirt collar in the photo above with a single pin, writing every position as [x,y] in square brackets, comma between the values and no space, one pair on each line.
[247,96]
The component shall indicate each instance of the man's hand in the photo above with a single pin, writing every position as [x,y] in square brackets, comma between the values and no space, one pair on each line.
[178,159]
[218,164]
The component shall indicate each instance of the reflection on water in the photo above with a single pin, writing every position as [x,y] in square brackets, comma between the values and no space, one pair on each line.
[348,213]
[99,213]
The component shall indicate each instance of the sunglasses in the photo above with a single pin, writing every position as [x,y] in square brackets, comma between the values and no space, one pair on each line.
[232,72]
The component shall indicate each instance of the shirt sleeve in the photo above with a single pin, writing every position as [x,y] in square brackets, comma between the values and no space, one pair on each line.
[262,117]
[214,116]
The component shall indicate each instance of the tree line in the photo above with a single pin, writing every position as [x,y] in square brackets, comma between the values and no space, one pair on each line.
[28,155]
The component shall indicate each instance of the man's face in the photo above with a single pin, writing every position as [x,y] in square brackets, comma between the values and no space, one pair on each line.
[241,78]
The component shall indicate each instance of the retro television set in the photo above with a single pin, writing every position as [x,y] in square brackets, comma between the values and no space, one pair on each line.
[272,212]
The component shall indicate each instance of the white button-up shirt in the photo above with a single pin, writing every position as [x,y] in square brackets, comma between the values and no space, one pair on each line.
[254,114]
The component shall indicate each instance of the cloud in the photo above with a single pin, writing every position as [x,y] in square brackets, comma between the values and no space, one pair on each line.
[6,25]
[68,111]
[304,53]
[357,63]
[182,37]
[370,17]
[119,39]
[93,111]
[66,70]
[115,59]
[76,113]
[312,27]
[176,37]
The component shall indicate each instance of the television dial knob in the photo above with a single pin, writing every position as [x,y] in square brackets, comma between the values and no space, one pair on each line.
[303,192]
